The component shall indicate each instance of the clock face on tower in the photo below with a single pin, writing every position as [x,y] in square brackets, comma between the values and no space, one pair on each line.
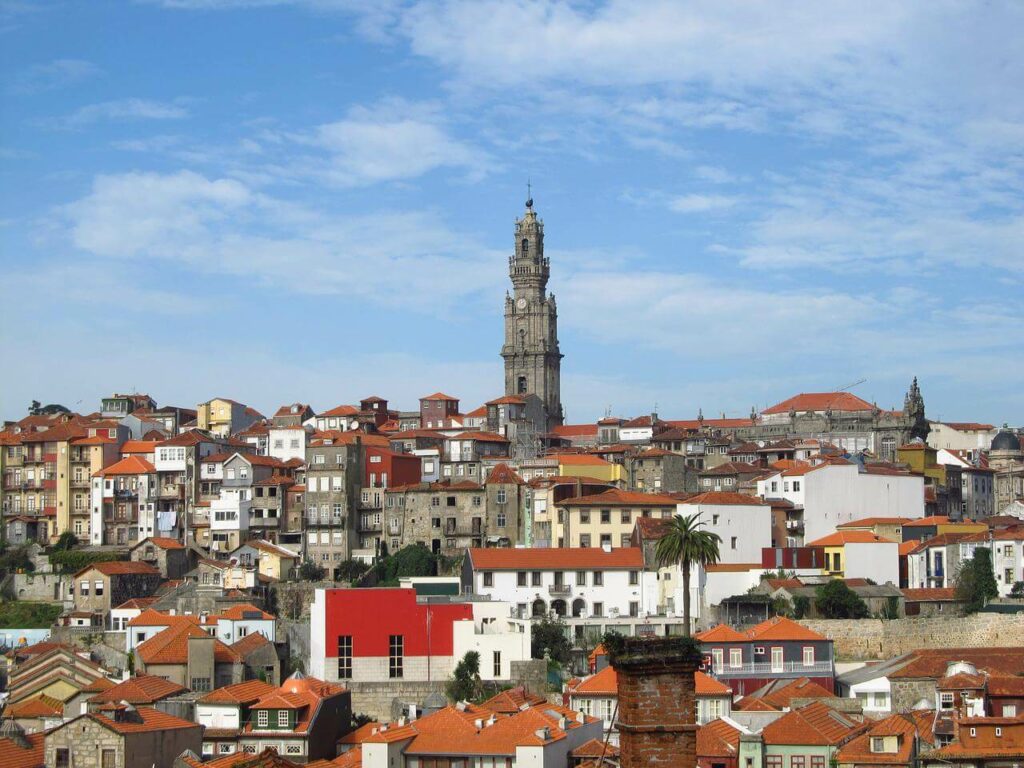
[521,302]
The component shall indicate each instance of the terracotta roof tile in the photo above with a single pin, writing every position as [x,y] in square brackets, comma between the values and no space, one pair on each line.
[240,693]
[820,401]
[141,689]
[618,497]
[13,755]
[840,538]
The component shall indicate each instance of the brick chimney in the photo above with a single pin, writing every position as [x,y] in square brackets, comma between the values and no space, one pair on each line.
[657,717]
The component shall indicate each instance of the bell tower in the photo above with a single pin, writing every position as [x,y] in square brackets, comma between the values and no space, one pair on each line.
[532,358]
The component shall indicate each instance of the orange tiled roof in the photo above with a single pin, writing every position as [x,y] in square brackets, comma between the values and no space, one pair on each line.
[721,634]
[171,646]
[501,559]
[141,689]
[575,430]
[504,474]
[820,401]
[240,693]
[782,628]
[236,612]
[868,522]
[439,396]
[13,755]
[121,568]
[717,739]
[249,643]
[152,720]
[840,538]
[37,706]
[931,662]
[858,750]
[929,594]
[139,446]
[133,465]
[511,701]
[163,542]
[813,725]
[726,498]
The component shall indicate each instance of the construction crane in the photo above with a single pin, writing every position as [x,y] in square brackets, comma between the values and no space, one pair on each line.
[851,386]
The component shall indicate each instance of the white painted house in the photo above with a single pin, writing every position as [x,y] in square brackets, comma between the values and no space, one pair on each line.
[742,522]
[832,494]
[594,589]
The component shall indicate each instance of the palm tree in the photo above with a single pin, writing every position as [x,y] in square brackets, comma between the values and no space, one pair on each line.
[684,544]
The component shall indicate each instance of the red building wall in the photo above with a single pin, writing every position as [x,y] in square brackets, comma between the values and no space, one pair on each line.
[401,469]
[371,616]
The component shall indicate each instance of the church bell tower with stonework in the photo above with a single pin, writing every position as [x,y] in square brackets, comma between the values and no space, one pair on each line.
[532,358]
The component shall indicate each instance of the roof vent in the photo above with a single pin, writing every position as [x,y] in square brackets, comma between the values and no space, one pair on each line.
[606,546]
[478,724]
[461,706]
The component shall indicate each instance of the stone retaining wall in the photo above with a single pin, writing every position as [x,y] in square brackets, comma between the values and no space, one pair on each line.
[863,639]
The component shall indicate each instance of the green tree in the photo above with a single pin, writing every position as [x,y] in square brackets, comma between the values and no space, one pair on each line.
[1017,591]
[686,544]
[835,600]
[414,560]
[801,606]
[465,684]
[310,571]
[976,581]
[552,635]
[892,608]
[352,570]
[66,541]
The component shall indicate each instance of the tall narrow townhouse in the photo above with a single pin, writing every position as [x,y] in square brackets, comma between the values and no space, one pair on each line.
[177,465]
[124,503]
[334,466]
[231,513]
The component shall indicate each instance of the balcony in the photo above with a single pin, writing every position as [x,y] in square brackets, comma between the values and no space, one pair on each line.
[368,526]
[794,525]
[172,491]
[125,493]
[264,522]
[562,590]
[768,669]
[80,482]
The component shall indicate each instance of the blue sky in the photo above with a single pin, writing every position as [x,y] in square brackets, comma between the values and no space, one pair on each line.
[314,200]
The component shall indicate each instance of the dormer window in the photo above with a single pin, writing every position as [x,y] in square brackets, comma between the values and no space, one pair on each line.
[282,718]
[877,744]
[262,718]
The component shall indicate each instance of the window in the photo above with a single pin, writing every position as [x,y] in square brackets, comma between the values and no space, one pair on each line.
[877,744]
[606,516]
[634,578]
[497,664]
[535,578]
[808,655]
[714,519]
[634,608]
[488,579]
[501,497]
[946,700]
[599,609]
[598,578]
[200,684]
[734,540]
[262,718]
[344,657]
[521,579]
[282,718]
[396,650]
[625,540]
[84,589]
[585,516]
[974,731]
[502,521]
[581,578]
[796,485]
[626,516]
[584,540]
[817,761]
[797,761]
[735,658]
[294,749]
[476,502]
[98,586]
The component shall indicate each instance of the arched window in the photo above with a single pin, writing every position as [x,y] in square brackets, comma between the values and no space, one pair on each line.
[525,247]
[521,385]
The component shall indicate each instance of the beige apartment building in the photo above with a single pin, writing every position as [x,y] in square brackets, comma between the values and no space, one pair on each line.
[607,519]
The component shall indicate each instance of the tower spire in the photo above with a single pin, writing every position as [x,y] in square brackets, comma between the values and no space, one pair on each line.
[529,194]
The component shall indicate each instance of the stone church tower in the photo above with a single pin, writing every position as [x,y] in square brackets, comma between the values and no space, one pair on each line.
[532,358]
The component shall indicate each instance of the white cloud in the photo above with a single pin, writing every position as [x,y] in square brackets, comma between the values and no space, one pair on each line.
[700,203]
[58,73]
[122,109]
[224,226]
[392,141]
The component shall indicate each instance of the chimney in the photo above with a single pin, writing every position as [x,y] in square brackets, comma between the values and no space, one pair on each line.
[656,719]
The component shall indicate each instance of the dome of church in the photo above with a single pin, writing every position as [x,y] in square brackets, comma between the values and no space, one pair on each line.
[1005,441]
